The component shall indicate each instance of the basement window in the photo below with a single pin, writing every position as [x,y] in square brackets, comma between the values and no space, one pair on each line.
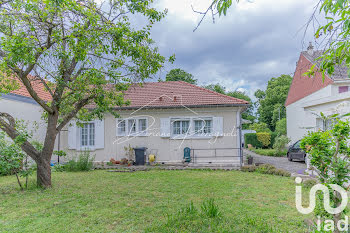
[343,89]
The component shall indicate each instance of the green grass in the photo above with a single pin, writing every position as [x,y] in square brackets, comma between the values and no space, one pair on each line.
[270,152]
[153,201]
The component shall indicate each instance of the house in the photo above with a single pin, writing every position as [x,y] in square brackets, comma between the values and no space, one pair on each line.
[165,117]
[308,97]
[21,106]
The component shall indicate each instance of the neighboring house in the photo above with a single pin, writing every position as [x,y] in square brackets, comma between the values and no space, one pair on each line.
[308,97]
[21,106]
[165,117]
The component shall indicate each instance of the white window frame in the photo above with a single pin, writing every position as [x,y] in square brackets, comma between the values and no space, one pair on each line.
[119,132]
[128,131]
[181,120]
[88,146]
[204,127]
[191,131]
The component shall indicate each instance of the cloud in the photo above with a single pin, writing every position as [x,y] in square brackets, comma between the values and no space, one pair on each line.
[243,50]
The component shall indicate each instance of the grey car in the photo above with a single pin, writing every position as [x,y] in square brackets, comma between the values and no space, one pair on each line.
[295,152]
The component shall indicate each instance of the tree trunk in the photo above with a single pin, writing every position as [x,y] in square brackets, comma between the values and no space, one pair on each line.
[43,162]
[44,174]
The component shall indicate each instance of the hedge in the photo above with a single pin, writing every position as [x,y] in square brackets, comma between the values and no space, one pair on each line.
[251,138]
[264,138]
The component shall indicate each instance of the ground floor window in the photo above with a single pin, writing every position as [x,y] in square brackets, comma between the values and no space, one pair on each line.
[87,134]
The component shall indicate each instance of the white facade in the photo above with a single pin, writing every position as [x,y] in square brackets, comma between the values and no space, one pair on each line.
[304,115]
[159,130]
[26,109]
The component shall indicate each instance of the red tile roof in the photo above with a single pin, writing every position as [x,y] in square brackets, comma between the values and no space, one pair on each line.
[157,94]
[37,86]
[303,86]
[176,94]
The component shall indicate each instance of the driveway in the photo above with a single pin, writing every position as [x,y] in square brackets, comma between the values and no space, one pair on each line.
[278,162]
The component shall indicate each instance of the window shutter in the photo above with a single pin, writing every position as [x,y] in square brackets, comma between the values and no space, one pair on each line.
[99,134]
[73,136]
[218,126]
[165,127]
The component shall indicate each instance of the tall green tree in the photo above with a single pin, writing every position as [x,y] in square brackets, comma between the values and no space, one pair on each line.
[216,87]
[84,52]
[180,75]
[271,102]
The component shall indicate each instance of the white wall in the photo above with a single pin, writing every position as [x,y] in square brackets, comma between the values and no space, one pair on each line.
[170,150]
[301,115]
[29,112]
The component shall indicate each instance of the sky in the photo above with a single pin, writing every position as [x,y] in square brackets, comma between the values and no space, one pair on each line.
[257,40]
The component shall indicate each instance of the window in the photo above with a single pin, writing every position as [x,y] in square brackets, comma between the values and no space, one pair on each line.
[324,125]
[180,127]
[343,89]
[121,127]
[142,125]
[132,126]
[87,135]
[202,127]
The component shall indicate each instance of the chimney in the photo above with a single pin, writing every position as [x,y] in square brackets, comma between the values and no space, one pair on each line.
[310,49]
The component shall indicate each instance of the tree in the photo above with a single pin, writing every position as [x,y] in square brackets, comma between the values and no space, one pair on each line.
[329,154]
[180,75]
[260,127]
[216,87]
[334,34]
[281,127]
[84,53]
[271,102]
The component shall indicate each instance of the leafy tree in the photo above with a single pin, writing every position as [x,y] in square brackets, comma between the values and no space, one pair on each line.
[84,52]
[271,102]
[336,31]
[180,75]
[329,154]
[260,127]
[281,143]
[281,127]
[216,87]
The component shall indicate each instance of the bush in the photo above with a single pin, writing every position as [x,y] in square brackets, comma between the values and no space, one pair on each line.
[281,127]
[270,152]
[260,127]
[281,143]
[248,168]
[251,138]
[274,135]
[84,162]
[264,138]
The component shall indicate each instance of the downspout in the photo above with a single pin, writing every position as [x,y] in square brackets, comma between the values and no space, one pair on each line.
[239,135]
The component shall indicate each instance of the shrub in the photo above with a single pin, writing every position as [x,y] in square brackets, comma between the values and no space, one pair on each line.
[280,143]
[264,138]
[251,138]
[248,168]
[270,152]
[84,162]
[260,127]
[274,135]
[210,209]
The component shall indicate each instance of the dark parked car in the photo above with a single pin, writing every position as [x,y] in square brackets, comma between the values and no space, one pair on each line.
[295,152]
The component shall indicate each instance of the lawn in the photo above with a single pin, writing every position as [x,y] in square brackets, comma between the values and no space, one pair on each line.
[153,201]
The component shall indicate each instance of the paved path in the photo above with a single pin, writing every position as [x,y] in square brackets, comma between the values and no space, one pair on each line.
[279,162]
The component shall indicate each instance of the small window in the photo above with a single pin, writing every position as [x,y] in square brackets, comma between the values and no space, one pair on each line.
[121,127]
[202,127]
[87,134]
[181,127]
[343,89]
[142,125]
